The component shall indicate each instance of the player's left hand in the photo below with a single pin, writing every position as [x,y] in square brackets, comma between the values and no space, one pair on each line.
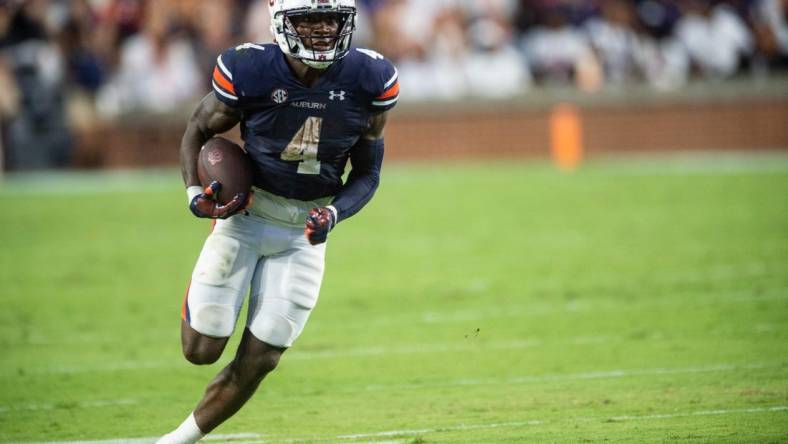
[319,222]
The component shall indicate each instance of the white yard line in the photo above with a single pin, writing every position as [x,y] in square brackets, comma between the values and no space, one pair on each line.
[447,317]
[526,379]
[81,405]
[456,428]
[518,311]
[779,408]
[253,438]
[147,440]
[472,343]
[235,438]
[606,374]
[76,369]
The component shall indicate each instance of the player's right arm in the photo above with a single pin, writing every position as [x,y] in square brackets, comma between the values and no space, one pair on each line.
[211,117]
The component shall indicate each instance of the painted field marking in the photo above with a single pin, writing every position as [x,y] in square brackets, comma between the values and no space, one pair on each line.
[70,370]
[456,428]
[469,345]
[306,355]
[235,438]
[606,374]
[779,408]
[457,316]
[378,442]
[576,307]
[254,438]
[432,317]
[429,317]
[425,348]
[81,404]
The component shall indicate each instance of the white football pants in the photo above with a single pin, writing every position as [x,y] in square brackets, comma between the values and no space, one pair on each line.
[267,256]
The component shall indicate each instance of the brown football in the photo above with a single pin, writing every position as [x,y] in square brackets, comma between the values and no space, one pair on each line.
[225,162]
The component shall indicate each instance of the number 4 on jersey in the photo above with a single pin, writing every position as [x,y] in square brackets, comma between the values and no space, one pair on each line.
[303,146]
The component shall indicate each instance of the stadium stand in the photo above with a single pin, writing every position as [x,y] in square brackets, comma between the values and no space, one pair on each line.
[80,70]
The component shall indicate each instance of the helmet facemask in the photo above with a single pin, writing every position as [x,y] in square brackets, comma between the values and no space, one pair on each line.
[316,51]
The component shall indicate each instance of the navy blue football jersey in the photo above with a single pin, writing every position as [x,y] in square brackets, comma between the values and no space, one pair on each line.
[300,137]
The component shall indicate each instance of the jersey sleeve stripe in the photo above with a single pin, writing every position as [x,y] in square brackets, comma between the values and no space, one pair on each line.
[222,81]
[391,92]
[385,102]
[224,69]
[392,79]
[225,94]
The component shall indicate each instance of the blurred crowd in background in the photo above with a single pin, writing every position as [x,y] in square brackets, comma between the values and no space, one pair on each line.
[67,64]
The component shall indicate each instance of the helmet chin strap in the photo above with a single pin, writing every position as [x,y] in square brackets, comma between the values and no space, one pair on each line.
[317,65]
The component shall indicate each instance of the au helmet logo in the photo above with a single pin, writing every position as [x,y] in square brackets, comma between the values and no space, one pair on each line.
[333,95]
[279,95]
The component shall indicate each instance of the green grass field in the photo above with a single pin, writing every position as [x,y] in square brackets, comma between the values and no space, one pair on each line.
[643,300]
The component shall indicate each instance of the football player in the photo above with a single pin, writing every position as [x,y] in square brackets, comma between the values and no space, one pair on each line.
[306,105]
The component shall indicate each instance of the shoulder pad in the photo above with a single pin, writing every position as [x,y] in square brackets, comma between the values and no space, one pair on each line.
[230,66]
[222,78]
[380,80]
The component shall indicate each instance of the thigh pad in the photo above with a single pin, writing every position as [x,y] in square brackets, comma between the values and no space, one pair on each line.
[218,256]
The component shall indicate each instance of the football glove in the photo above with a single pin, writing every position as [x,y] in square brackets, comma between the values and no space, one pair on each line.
[319,222]
[205,204]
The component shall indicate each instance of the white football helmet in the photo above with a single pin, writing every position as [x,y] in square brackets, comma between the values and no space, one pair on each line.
[292,44]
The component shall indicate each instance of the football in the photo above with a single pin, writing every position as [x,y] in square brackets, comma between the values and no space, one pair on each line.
[227,163]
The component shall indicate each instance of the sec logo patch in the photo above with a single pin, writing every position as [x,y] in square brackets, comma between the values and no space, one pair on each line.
[279,95]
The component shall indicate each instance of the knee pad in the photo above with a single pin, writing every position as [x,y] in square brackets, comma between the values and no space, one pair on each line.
[214,320]
[275,329]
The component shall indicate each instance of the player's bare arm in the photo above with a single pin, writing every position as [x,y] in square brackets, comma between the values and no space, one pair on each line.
[211,117]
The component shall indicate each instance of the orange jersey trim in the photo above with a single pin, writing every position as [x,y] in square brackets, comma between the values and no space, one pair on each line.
[393,91]
[185,307]
[220,80]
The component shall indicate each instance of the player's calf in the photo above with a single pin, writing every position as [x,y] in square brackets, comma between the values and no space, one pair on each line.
[255,359]
[237,382]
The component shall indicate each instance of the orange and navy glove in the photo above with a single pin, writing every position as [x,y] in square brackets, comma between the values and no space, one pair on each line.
[319,222]
[204,204]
